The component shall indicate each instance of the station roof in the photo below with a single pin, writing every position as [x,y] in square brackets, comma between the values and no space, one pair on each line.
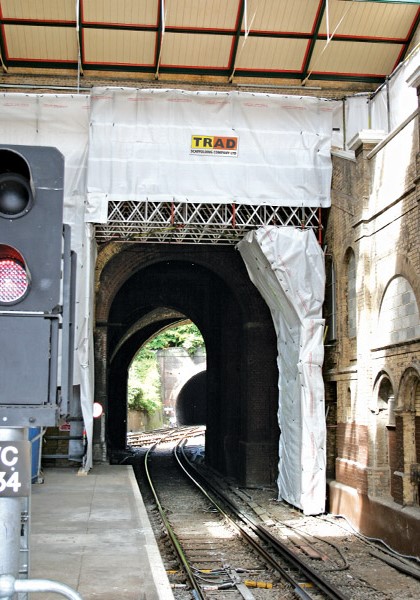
[205,40]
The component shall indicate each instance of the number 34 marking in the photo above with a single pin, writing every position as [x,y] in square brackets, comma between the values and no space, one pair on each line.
[12,482]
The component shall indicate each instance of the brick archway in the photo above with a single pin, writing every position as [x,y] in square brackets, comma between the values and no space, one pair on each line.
[408,434]
[210,286]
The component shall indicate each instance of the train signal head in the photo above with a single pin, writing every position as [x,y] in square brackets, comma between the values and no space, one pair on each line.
[31,290]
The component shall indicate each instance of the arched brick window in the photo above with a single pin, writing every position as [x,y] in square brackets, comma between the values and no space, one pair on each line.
[384,446]
[399,319]
[408,436]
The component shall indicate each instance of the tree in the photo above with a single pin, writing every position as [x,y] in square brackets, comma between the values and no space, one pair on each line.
[186,336]
[144,382]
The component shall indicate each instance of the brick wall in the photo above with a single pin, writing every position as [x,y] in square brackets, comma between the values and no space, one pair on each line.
[352,455]
[417,436]
[331,410]
[417,424]
[377,220]
[397,462]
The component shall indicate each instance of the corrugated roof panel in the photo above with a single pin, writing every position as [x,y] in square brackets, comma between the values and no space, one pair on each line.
[370,19]
[201,50]
[43,10]
[272,15]
[354,58]
[123,12]
[271,54]
[204,14]
[118,47]
[112,36]
[41,43]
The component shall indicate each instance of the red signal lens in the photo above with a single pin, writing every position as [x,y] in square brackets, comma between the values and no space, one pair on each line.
[14,276]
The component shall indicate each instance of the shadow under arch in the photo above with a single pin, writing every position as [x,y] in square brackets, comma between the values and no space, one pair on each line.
[382,436]
[190,409]
[119,364]
[145,289]
[408,388]
[384,385]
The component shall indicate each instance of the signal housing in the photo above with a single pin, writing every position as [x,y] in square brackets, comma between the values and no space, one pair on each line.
[31,265]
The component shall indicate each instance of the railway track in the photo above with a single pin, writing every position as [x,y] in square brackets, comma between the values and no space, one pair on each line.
[355,566]
[215,549]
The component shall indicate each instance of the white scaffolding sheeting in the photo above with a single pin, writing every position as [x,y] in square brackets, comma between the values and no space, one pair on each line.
[209,147]
[287,266]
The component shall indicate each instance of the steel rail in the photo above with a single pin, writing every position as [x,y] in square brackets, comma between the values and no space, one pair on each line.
[175,542]
[320,582]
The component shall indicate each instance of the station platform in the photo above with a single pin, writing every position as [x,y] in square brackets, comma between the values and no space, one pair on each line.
[92,533]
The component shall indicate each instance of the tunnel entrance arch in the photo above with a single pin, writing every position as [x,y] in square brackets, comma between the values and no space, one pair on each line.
[143,288]
[190,408]
[159,371]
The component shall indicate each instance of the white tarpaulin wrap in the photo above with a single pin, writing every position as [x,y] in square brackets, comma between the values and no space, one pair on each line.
[397,96]
[215,147]
[287,267]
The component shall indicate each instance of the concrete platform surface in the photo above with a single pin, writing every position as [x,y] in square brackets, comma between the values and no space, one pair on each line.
[92,533]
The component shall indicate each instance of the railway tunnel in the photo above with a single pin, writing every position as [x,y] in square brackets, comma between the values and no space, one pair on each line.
[144,288]
[190,410]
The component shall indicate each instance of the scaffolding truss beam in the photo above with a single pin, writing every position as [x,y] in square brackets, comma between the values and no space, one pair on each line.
[191,223]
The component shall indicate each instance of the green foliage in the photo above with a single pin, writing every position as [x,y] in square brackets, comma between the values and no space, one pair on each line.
[144,385]
[182,336]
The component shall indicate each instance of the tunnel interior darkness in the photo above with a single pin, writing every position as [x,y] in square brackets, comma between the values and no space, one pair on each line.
[191,405]
[209,286]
